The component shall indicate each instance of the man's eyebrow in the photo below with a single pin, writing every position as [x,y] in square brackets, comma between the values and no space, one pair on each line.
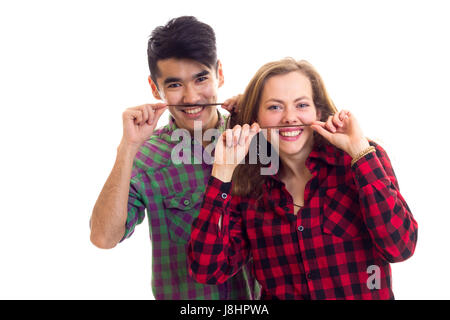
[171,79]
[201,74]
[195,76]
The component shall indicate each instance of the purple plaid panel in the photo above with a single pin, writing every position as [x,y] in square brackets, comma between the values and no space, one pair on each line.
[172,196]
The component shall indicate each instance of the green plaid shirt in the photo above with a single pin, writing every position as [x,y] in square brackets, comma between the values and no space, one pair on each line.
[172,195]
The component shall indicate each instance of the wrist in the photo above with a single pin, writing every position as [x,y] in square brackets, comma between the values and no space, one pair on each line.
[128,148]
[222,172]
[356,148]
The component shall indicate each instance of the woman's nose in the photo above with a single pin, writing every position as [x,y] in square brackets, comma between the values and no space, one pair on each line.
[290,116]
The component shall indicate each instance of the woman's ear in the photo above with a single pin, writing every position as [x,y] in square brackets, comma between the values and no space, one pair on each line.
[154,87]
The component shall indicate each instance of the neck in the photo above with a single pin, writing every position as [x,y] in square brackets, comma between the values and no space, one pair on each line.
[293,165]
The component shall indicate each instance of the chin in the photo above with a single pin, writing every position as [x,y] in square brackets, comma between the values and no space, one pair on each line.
[289,151]
[293,148]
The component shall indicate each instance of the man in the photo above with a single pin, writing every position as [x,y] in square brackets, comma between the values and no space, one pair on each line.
[183,70]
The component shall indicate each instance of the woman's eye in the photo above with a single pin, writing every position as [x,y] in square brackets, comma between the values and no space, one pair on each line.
[274,107]
[302,105]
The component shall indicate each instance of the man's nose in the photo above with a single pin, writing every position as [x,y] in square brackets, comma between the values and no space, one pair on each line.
[190,95]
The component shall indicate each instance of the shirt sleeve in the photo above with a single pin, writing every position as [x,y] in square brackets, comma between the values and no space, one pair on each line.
[218,247]
[385,213]
[136,206]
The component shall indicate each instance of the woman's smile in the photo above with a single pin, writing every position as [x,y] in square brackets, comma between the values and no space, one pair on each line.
[290,134]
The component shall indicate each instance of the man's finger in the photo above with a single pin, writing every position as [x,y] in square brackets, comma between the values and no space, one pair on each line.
[135,115]
[145,114]
[155,112]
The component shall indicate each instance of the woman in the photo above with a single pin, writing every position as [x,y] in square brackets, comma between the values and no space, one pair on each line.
[327,224]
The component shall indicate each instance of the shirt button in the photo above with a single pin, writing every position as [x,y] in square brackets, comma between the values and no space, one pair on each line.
[300,228]
[224,195]
[186,202]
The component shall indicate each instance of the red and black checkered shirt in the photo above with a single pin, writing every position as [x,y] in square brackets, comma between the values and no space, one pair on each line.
[339,245]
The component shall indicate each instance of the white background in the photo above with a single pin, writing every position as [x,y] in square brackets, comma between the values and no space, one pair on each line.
[68,69]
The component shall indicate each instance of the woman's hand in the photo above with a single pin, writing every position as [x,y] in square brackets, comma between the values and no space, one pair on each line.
[231,149]
[343,131]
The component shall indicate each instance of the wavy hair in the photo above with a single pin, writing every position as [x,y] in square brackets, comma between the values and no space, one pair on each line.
[247,180]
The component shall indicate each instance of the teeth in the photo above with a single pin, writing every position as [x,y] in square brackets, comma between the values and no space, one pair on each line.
[290,133]
[192,111]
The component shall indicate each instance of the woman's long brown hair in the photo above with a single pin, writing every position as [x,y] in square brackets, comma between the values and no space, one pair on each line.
[247,178]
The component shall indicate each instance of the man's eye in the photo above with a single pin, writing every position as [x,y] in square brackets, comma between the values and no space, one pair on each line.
[174,85]
[201,79]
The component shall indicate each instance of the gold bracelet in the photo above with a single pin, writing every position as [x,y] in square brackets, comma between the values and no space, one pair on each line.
[363,153]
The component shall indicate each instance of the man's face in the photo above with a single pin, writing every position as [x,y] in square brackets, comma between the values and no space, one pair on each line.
[184,81]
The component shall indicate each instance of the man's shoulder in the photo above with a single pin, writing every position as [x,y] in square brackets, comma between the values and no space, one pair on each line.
[155,152]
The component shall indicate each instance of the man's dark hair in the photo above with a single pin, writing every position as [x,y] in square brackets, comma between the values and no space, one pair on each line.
[182,38]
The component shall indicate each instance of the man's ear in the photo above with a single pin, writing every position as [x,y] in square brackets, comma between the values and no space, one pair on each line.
[220,73]
[154,89]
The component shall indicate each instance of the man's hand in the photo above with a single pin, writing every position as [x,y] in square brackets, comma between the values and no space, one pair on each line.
[232,104]
[139,123]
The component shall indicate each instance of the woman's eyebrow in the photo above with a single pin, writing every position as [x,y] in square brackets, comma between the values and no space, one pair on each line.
[274,100]
[302,98]
[281,101]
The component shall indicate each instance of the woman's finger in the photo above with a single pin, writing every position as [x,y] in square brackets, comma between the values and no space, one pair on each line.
[228,138]
[337,122]
[344,114]
[236,134]
[244,134]
[329,124]
[320,128]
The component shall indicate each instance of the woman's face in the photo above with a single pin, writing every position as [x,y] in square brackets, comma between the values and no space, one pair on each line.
[287,100]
